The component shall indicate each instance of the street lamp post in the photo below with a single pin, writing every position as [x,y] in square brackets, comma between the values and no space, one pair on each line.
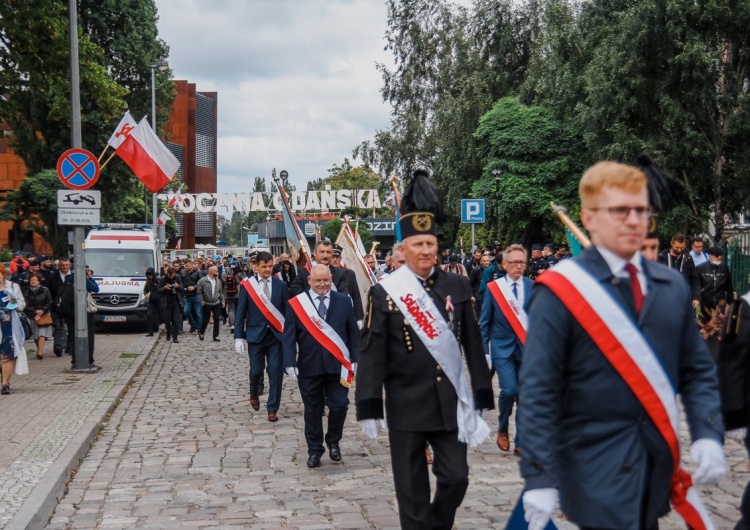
[161,66]
[244,239]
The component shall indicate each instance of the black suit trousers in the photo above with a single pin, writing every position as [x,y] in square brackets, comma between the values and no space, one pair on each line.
[209,310]
[319,391]
[410,476]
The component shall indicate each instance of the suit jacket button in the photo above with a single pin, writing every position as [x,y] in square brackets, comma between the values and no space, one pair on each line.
[438,367]
[439,379]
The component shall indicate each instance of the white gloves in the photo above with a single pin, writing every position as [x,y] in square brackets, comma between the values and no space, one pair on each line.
[354,368]
[489,361]
[708,455]
[292,372]
[538,505]
[239,346]
[359,324]
[370,427]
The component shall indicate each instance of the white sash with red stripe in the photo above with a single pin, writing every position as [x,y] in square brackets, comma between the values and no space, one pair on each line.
[273,315]
[430,326]
[625,347]
[510,307]
[324,334]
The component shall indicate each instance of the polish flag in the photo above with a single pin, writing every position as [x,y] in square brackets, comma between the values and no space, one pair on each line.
[148,157]
[178,245]
[127,124]
[163,218]
[175,197]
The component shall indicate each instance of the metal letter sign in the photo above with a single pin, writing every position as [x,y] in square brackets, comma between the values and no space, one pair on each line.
[472,210]
[78,169]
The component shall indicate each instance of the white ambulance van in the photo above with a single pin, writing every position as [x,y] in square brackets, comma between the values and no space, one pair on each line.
[119,255]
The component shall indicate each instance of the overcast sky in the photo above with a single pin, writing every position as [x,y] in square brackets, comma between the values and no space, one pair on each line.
[296,79]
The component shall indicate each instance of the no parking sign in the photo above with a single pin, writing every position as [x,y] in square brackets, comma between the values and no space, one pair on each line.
[78,169]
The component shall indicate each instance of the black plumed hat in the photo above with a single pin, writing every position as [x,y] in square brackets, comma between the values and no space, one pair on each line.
[421,209]
[662,192]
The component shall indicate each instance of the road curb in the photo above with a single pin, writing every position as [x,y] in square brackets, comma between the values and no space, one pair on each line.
[36,510]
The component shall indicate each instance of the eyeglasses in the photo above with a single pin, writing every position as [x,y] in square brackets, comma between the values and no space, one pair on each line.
[516,263]
[620,213]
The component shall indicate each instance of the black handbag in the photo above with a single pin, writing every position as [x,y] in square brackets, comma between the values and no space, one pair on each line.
[26,326]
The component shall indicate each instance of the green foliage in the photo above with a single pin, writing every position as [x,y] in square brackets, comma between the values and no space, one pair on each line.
[6,254]
[537,157]
[117,42]
[33,206]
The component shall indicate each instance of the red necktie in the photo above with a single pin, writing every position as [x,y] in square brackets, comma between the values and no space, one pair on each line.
[635,285]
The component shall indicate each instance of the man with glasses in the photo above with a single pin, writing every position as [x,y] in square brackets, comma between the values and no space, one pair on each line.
[611,340]
[502,324]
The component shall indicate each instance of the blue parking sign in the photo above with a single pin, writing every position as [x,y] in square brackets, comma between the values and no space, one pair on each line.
[472,210]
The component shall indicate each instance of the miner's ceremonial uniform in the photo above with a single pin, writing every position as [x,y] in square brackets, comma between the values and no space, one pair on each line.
[421,402]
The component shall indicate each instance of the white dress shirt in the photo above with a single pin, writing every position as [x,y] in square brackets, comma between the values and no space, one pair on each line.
[519,288]
[617,266]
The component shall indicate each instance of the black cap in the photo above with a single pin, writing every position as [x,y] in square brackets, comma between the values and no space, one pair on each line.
[536,246]
[421,209]
[714,251]
[150,270]
[550,245]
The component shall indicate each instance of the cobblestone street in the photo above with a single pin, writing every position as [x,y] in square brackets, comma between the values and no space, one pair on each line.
[184,449]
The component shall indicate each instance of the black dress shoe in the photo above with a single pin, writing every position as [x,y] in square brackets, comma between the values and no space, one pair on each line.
[200,336]
[149,334]
[175,340]
[216,339]
[313,461]
[334,452]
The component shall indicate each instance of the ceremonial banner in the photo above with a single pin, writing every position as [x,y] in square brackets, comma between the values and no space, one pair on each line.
[354,259]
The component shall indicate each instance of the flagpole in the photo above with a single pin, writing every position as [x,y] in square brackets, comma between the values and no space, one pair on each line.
[102,155]
[107,162]
[295,227]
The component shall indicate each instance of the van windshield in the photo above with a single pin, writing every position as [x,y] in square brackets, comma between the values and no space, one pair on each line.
[126,263]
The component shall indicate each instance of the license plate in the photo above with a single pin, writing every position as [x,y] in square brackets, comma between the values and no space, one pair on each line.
[114,318]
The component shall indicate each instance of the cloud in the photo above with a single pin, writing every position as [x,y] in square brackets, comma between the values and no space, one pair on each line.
[296,80]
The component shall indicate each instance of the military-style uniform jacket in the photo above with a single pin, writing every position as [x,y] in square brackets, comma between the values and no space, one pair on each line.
[418,396]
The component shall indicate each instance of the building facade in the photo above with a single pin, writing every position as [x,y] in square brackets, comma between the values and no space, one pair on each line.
[191,136]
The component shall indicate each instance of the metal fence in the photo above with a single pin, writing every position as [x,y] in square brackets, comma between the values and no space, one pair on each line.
[738,260]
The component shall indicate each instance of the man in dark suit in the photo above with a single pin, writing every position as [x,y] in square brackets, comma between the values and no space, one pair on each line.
[256,323]
[586,431]
[318,366]
[323,254]
[506,348]
[420,366]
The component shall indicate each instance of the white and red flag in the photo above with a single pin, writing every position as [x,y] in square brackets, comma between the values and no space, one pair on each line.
[148,157]
[127,124]
[175,197]
[163,218]
[178,246]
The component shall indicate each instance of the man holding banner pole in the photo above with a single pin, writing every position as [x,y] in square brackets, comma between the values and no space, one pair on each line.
[611,340]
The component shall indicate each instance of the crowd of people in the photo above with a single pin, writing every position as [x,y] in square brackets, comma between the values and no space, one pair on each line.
[591,353]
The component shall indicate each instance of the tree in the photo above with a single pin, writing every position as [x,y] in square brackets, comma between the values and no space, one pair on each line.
[538,159]
[117,41]
[666,77]
[452,64]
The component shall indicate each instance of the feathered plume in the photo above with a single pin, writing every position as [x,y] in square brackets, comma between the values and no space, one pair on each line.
[421,196]
[663,193]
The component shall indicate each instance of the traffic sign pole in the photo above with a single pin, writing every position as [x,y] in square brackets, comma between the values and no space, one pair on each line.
[81,342]
[472,237]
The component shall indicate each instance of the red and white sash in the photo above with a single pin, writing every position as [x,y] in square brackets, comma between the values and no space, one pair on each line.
[323,333]
[273,315]
[430,326]
[510,307]
[625,347]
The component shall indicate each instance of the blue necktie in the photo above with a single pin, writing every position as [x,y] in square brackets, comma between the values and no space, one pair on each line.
[515,290]
[322,307]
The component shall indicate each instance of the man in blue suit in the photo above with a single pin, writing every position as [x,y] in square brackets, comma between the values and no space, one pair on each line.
[589,428]
[318,369]
[502,344]
[262,328]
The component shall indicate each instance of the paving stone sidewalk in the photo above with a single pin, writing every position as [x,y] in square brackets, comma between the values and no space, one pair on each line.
[184,449]
[50,420]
